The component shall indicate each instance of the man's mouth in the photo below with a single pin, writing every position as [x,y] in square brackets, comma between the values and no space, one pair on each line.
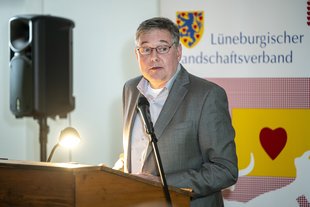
[155,68]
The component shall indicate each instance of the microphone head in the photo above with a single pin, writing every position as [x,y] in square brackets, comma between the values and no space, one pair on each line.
[143,101]
[144,109]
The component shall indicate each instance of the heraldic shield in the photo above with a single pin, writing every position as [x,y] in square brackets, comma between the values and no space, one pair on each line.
[191,26]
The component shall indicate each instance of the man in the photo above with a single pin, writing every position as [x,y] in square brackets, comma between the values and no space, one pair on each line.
[190,116]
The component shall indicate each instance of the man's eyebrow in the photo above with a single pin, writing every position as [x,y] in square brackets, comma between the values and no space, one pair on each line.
[143,42]
[162,41]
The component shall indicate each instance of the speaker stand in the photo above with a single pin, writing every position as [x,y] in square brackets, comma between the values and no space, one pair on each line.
[44,129]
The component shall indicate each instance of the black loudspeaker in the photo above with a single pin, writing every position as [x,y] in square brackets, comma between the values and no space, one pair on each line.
[41,66]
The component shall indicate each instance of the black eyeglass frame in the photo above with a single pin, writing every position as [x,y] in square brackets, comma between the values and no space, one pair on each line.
[155,48]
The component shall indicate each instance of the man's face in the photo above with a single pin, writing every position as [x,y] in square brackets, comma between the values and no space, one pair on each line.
[158,68]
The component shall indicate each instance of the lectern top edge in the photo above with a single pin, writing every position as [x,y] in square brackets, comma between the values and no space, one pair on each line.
[26,164]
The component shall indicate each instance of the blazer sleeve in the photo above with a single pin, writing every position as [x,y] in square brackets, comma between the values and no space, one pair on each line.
[216,142]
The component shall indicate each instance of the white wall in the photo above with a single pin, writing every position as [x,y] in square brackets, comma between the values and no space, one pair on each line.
[103,60]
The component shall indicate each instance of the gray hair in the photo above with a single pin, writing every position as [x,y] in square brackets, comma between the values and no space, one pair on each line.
[159,23]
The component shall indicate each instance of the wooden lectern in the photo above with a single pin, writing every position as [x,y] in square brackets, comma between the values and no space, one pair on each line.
[24,183]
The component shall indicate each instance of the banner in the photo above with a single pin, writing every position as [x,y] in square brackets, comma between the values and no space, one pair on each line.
[258,52]
[243,38]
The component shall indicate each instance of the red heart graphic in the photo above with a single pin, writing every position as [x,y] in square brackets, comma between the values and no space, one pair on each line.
[273,141]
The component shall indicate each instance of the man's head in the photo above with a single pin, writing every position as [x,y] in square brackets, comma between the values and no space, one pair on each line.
[158,50]
[159,23]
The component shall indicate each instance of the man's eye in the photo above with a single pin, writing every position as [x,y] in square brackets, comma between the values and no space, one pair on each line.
[162,49]
[146,49]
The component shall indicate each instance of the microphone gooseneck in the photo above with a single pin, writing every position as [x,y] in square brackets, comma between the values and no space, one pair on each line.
[144,109]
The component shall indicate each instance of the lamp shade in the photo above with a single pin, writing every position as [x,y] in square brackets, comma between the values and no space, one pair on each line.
[69,137]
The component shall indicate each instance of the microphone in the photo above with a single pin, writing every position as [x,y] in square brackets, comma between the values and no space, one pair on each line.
[144,109]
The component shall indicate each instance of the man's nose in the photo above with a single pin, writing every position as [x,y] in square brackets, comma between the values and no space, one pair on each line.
[154,54]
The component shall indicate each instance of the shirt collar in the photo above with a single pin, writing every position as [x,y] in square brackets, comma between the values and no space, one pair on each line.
[144,84]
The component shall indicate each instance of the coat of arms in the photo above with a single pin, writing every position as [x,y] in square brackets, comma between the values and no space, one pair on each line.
[191,27]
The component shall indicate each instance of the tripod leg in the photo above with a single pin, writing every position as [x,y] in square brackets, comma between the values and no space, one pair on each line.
[43,137]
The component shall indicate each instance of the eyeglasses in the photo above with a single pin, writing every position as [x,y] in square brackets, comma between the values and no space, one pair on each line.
[163,49]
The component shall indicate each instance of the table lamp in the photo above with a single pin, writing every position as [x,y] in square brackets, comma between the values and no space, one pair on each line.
[69,138]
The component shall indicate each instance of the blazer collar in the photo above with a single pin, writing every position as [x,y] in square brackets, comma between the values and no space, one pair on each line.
[176,95]
[174,100]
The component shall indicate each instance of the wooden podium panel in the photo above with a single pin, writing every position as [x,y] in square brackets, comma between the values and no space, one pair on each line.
[24,183]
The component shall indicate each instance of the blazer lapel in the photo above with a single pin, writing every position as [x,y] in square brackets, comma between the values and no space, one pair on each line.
[176,95]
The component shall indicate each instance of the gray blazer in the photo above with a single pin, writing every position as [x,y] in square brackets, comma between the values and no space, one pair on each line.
[195,138]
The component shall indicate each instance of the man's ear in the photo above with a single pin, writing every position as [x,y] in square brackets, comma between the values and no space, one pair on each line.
[136,53]
[179,49]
